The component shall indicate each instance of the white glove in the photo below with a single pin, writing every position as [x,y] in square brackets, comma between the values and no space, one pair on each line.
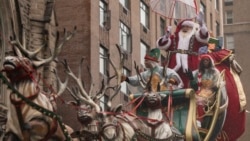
[169,29]
[167,34]
[204,29]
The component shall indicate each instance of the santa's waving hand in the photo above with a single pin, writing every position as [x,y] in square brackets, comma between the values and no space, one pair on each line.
[184,45]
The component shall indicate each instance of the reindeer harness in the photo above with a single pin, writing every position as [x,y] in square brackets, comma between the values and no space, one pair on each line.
[33,105]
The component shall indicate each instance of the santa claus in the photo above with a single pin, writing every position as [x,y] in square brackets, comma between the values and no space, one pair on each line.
[184,45]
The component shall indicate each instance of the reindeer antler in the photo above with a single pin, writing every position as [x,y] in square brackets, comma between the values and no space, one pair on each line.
[142,82]
[33,54]
[80,92]
[61,86]
[57,49]
[116,91]
[30,54]
[118,70]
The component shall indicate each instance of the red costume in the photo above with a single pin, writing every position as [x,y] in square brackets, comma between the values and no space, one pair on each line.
[235,122]
[175,45]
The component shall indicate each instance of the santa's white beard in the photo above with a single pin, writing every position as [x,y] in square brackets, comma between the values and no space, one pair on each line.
[184,38]
[183,44]
[186,34]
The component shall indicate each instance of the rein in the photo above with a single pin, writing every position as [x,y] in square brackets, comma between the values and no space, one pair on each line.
[18,107]
[37,107]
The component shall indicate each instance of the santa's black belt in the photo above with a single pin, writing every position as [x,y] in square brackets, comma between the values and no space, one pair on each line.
[182,51]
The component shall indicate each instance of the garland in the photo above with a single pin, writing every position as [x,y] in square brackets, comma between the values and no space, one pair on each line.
[37,107]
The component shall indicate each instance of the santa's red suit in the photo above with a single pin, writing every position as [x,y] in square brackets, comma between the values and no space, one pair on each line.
[184,49]
[235,122]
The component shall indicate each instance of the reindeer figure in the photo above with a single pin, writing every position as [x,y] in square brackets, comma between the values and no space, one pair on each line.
[88,110]
[158,125]
[93,120]
[157,122]
[31,121]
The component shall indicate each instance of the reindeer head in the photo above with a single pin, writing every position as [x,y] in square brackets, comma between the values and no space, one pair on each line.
[152,96]
[18,68]
[153,100]
[24,65]
[111,126]
[86,113]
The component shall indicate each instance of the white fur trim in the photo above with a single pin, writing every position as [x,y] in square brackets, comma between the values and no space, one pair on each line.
[165,46]
[198,37]
[203,29]
[188,23]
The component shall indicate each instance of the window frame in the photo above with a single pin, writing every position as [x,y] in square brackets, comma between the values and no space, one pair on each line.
[162,26]
[103,13]
[229,18]
[125,4]
[204,10]
[124,85]
[228,2]
[230,42]
[144,15]
[217,28]
[103,101]
[143,50]
[217,5]
[125,37]
[103,64]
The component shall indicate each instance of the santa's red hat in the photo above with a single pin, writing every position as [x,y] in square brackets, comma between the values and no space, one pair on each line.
[186,22]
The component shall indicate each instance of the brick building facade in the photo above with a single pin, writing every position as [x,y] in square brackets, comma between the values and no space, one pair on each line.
[236,34]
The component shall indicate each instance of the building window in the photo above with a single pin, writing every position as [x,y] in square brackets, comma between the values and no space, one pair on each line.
[103,101]
[229,17]
[211,21]
[103,13]
[125,3]
[217,5]
[229,42]
[124,85]
[144,13]
[102,61]
[163,26]
[143,52]
[217,29]
[125,37]
[204,10]
[228,2]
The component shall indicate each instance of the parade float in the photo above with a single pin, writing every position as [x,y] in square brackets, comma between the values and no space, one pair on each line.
[156,114]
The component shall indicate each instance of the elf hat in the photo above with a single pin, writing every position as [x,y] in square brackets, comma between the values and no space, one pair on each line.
[153,55]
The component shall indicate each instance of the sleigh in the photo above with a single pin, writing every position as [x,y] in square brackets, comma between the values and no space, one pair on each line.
[184,113]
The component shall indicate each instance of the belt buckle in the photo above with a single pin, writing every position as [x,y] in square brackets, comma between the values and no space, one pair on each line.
[182,51]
